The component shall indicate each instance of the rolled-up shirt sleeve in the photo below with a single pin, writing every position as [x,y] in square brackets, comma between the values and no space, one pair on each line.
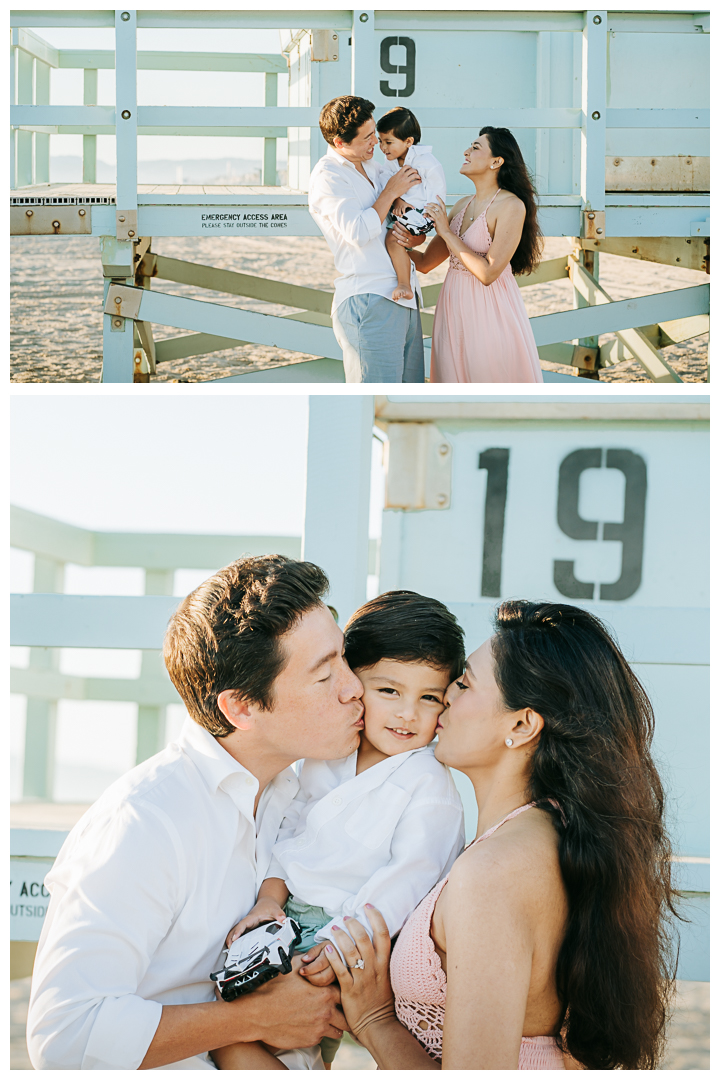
[114,896]
[427,839]
[333,198]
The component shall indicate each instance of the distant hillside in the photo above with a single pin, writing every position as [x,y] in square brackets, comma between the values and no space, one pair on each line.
[66,169]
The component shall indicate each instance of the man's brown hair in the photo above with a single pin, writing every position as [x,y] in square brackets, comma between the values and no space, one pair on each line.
[342,117]
[226,634]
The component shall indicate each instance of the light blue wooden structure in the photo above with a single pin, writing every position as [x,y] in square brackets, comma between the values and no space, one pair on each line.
[560,498]
[611,110]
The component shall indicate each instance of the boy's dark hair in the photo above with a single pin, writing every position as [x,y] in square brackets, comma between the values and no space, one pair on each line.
[403,625]
[226,634]
[401,123]
[341,117]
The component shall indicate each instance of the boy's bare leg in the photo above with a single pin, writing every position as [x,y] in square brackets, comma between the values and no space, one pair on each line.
[401,263]
[251,1055]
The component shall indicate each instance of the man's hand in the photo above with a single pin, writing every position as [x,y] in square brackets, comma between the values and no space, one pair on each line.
[265,910]
[316,966]
[291,1012]
[402,181]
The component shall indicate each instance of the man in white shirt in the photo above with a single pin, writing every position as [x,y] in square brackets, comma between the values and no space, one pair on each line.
[349,199]
[153,876]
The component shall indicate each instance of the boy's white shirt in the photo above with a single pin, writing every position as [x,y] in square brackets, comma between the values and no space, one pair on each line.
[432,185]
[385,837]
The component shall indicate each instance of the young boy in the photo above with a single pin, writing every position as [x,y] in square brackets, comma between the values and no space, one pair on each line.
[382,826]
[399,135]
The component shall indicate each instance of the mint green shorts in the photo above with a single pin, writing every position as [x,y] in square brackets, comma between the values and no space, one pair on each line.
[310,920]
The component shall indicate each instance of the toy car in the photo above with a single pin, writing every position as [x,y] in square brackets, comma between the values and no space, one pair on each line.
[415,222]
[257,956]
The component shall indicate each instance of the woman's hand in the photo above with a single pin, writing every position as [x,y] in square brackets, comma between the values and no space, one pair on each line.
[437,212]
[367,998]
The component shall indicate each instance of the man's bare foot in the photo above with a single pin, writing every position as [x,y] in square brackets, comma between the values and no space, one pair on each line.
[403,292]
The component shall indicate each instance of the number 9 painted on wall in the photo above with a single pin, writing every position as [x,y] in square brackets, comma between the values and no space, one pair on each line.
[630,531]
[407,69]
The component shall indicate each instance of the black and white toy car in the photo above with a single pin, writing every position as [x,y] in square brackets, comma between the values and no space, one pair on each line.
[257,956]
[415,222]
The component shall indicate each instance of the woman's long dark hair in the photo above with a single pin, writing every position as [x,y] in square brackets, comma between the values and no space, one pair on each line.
[513,176]
[618,958]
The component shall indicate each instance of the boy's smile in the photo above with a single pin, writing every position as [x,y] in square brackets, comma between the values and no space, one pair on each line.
[402,705]
[394,149]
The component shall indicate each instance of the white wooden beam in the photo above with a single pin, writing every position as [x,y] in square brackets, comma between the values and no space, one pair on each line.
[634,340]
[594,104]
[126,119]
[154,551]
[611,316]
[90,622]
[337,495]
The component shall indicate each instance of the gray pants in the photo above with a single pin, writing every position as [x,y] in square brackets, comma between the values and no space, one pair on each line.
[381,340]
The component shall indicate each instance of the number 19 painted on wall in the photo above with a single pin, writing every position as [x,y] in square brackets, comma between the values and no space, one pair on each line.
[629,532]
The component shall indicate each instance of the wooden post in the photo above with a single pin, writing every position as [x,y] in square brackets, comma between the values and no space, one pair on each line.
[337,498]
[269,174]
[41,173]
[594,107]
[151,718]
[24,139]
[13,133]
[41,717]
[90,81]
[126,110]
[364,61]
[591,261]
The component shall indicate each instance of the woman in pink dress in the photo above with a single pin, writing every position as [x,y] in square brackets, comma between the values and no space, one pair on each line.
[548,945]
[481,331]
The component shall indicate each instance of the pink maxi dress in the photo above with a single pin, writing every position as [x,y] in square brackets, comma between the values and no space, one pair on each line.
[420,985]
[481,333]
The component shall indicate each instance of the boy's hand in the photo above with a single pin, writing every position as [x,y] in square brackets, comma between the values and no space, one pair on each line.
[316,966]
[266,910]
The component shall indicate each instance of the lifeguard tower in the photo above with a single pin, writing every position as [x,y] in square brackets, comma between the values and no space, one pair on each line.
[610,109]
[602,504]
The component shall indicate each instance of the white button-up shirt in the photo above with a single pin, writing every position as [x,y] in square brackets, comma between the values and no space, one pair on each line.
[144,891]
[432,176]
[384,837]
[340,201]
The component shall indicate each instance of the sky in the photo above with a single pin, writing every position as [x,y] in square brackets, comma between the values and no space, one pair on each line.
[166,464]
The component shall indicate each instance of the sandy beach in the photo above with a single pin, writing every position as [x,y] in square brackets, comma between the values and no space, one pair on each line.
[688,1046]
[56,303]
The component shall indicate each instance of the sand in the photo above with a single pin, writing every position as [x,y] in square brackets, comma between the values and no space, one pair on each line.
[56,303]
[688,1048]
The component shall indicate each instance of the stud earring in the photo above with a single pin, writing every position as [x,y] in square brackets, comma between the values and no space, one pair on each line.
[508,742]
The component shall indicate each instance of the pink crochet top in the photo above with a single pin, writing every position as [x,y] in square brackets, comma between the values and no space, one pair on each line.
[419,983]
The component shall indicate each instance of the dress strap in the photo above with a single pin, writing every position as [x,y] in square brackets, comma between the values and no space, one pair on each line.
[460,216]
[508,817]
[491,201]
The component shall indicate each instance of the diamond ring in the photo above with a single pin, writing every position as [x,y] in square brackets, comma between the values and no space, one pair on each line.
[359,964]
